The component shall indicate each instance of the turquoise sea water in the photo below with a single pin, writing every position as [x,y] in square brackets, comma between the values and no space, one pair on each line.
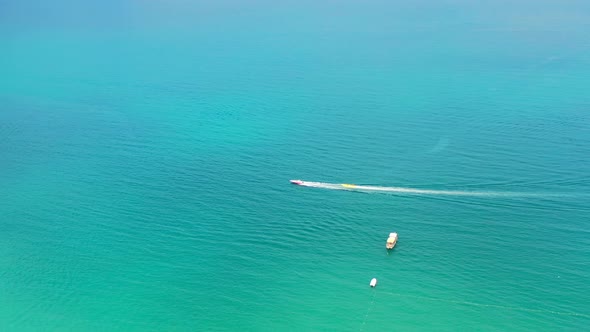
[146,148]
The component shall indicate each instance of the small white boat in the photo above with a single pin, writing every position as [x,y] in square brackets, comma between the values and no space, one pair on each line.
[297,182]
[373,282]
[391,241]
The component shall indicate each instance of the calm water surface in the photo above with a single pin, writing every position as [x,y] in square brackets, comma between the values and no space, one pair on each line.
[146,148]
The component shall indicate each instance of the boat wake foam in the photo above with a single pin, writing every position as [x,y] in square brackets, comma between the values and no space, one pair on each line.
[415,191]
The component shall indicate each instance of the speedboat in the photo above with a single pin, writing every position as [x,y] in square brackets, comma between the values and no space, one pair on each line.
[391,241]
[348,185]
[297,182]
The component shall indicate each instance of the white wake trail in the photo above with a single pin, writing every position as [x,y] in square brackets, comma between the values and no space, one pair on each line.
[414,191]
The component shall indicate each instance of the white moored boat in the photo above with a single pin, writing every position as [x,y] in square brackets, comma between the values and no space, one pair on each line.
[391,241]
